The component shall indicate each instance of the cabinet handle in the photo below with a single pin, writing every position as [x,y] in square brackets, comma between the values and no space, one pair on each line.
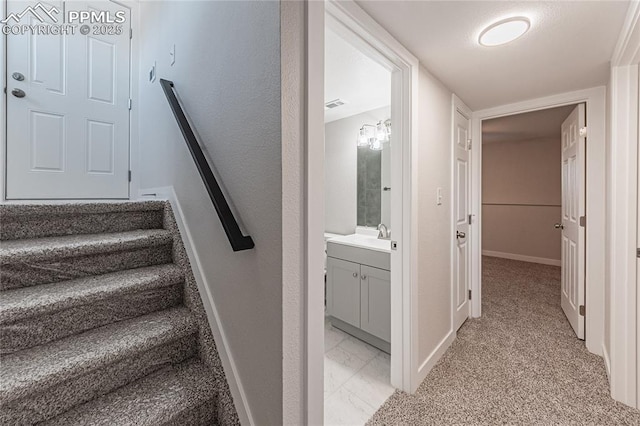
[355,275]
[364,277]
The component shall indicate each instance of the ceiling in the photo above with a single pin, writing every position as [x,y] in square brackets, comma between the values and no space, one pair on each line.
[567,48]
[353,77]
[528,126]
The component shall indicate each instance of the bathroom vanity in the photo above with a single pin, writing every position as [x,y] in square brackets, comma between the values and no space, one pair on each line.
[359,287]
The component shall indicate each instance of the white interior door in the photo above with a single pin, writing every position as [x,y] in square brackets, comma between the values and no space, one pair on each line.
[461,172]
[573,209]
[68,135]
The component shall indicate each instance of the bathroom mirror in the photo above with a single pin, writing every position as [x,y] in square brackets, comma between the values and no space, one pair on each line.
[373,186]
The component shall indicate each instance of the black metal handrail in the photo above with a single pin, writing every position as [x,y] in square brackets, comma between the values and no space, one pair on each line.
[238,241]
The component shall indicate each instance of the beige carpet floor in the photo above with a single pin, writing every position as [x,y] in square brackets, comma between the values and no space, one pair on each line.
[519,364]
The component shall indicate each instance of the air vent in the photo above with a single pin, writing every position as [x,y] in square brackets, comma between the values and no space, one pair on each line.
[334,104]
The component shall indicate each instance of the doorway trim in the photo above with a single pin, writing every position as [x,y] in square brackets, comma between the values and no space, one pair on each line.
[622,336]
[372,37]
[595,99]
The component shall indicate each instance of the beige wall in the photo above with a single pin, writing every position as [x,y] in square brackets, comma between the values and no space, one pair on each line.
[434,222]
[521,196]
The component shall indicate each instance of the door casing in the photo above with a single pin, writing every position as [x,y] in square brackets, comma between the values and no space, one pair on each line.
[595,100]
[373,39]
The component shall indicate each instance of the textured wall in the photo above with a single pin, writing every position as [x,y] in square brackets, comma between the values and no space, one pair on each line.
[227,75]
[521,196]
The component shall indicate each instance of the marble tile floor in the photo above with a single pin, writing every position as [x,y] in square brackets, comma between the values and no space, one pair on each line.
[356,379]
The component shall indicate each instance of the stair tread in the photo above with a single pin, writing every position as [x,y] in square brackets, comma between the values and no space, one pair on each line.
[20,303]
[42,366]
[34,249]
[22,210]
[152,400]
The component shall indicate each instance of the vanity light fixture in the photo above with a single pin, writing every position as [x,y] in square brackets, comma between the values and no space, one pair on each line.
[374,136]
[504,31]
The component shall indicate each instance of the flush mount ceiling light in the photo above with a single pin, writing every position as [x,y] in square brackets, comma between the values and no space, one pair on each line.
[504,31]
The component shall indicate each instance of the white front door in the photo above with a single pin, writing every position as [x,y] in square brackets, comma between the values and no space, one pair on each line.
[67,104]
[461,172]
[573,209]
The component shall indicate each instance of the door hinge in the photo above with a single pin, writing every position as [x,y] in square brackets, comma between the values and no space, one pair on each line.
[582,310]
[470,219]
[638,252]
[130,33]
[130,104]
[583,132]
[469,294]
[469,144]
[583,221]
[129,175]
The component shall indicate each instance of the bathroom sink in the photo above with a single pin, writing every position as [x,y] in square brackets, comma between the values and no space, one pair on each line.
[363,241]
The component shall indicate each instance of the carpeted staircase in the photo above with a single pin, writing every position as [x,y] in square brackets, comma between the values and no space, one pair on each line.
[101,322]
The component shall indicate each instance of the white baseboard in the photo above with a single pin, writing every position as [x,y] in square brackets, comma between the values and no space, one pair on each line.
[521,257]
[222,345]
[433,358]
[607,361]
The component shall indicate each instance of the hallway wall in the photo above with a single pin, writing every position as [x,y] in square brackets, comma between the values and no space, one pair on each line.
[521,197]
[434,223]
[227,76]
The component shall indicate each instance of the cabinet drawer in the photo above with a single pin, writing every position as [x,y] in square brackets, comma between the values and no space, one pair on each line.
[378,259]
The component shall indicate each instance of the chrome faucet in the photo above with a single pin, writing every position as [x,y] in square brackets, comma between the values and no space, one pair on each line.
[383,232]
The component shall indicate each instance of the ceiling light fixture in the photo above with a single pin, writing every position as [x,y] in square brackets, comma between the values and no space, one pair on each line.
[504,31]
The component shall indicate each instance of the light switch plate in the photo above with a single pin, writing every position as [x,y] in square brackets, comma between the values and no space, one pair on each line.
[172,55]
[439,196]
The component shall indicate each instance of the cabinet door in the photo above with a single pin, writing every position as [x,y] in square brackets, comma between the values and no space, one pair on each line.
[375,297]
[343,290]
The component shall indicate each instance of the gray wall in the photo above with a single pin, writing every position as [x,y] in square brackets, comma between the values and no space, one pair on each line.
[521,197]
[227,75]
[341,166]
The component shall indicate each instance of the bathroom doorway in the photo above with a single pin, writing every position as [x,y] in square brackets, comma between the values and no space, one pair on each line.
[358,138]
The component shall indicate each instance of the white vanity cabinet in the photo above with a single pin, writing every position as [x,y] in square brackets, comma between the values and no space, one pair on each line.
[359,295]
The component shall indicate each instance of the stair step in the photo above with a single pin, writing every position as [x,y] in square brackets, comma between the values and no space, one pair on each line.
[35,249]
[30,262]
[177,395]
[46,220]
[36,315]
[43,367]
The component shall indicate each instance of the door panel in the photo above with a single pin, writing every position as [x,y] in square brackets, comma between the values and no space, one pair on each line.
[343,290]
[375,297]
[461,213]
[573,207]
[68,137]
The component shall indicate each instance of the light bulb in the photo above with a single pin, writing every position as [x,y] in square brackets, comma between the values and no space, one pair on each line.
[363,140]
[375,145]
[381,132]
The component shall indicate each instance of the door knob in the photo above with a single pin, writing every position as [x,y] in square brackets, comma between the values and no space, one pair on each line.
[363,277]
[355,275]
[18,93]
[460,235]
[18,76]
[558,226]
